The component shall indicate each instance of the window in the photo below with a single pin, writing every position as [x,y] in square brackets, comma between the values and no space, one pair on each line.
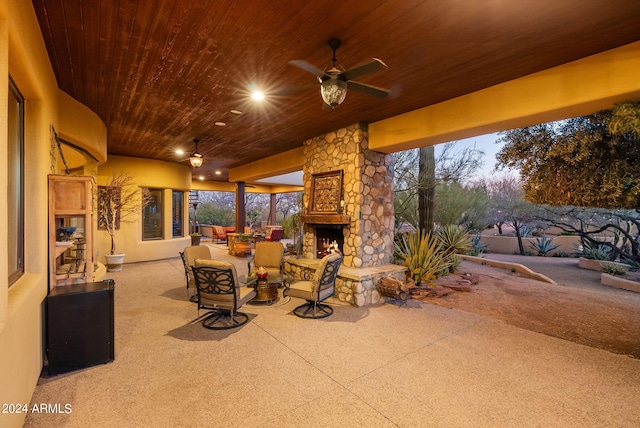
[15,183]
[152,221]
[177,212]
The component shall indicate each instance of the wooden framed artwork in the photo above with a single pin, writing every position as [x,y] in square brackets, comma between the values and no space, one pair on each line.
[326,193]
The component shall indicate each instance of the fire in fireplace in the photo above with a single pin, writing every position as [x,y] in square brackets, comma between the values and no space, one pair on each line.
[328,239]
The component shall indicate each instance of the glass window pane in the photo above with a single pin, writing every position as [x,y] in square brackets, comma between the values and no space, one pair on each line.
[15,184]
[152,221]
[178,214]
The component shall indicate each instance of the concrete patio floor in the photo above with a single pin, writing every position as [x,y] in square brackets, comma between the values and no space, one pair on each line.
[415,365]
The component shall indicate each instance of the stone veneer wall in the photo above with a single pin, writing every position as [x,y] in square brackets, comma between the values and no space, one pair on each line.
[367,191]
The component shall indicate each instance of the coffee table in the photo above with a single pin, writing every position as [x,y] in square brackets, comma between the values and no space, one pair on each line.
[267,288]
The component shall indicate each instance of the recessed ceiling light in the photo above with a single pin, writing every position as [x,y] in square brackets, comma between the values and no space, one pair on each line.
[179,152]
[234,111]
[220,124]
[218,172]
[257,95]
[201,178]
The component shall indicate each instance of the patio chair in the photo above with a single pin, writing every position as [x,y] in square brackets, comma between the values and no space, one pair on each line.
[275,235]
[269,255]
[189,256]
[219,234]
[220,292]
[317,290]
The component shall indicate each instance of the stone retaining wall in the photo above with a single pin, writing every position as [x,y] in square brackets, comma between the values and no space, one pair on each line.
[354,286]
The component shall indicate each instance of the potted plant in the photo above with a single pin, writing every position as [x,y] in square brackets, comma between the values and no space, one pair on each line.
[195,238]
[242,244]
[119,201]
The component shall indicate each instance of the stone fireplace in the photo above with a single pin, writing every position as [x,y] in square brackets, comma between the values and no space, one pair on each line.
[348,194]
[364,212]
[328,236]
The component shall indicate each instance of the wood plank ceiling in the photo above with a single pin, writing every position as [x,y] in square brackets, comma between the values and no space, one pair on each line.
[161,72]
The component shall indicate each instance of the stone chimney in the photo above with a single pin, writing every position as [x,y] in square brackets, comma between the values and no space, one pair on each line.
[365,213]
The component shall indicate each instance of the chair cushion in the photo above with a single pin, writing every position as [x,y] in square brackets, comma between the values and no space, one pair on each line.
[219,264]
[196,252]
[219,232]
[268,254]
[304,290]
[191,254]
[301,290]
[225,301]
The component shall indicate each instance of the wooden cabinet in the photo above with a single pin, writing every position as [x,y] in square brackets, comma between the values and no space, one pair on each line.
[70,229]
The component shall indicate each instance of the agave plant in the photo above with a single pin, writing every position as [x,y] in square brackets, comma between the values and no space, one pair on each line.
[477,246]
[453,239]
[594,251]
[423,255]
[544,245]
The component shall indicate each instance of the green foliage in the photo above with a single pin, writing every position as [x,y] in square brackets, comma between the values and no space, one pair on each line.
[244,237]
[453,239]
[466,206]
[544,245]
[455,263]
[477,246]
[291,224]
[588,161]
[594,251]
[614,269]
[219,215]
[423,255]
[604,234]
[451,166]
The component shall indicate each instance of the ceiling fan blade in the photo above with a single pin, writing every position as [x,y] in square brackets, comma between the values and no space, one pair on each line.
[308,67]
[368,89]
[369,67]
[296,89]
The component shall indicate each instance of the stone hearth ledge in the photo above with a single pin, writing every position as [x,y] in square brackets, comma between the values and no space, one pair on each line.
[356,286]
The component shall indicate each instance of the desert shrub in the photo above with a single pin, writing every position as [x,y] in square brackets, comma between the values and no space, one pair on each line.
[595,251]
[453,239]
[477,246]
[455,263]
[544,245]
[613,269]
[422,254]
[634,266]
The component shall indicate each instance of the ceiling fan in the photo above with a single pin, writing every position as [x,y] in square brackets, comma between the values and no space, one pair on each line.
[334,82]
[195,159]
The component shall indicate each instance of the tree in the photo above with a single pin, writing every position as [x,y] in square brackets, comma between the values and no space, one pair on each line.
[450,166]
[426,188]
[120,200]
[509,207]
[592,224]
[464,206]
[589,161]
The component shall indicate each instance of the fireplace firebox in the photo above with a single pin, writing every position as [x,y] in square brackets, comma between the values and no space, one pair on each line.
[328,239]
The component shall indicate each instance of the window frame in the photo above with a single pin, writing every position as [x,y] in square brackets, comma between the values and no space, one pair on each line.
[157,197]
[177,213]
[16,172]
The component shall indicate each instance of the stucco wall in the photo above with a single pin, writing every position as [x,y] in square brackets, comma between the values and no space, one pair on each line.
[146,173]
[23,56]
[509,244]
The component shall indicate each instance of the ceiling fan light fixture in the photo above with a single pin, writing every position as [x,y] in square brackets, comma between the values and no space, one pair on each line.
[333,91]
[196,158]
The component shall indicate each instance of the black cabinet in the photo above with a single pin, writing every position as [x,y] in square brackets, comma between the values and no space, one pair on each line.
[80,326]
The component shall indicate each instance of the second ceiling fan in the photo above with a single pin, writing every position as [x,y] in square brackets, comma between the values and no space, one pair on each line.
[335,81]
